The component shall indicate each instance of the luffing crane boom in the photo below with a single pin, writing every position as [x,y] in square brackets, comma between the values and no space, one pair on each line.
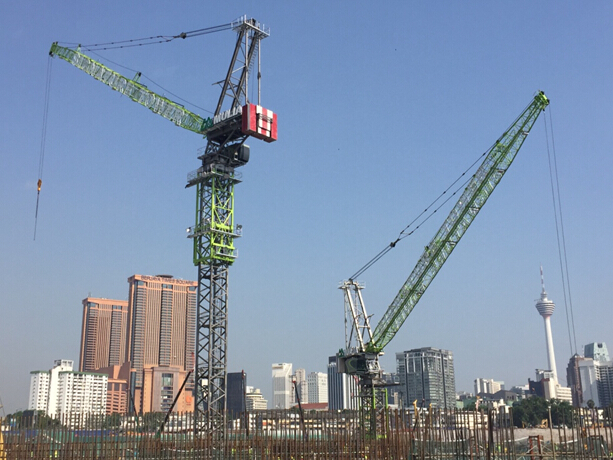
[136,91]
[476,193]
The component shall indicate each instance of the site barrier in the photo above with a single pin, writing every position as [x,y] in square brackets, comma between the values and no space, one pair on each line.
[426,434]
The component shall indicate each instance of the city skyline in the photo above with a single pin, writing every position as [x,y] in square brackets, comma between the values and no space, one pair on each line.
[356,160]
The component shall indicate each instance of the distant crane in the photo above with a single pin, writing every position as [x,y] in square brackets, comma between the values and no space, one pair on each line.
[235,120]
[363,346]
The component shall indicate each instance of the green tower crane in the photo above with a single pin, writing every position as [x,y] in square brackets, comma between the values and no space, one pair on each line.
[363,345]
[235,120]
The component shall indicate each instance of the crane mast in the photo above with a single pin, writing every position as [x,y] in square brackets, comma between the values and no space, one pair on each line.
[215,229]
[364,346]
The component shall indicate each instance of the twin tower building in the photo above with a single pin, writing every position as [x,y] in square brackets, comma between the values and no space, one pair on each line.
[145,345]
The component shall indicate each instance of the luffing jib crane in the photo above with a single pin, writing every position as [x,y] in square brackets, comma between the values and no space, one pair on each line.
[235,120]
[363,345]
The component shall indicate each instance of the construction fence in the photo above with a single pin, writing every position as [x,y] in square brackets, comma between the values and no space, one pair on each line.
[434,434]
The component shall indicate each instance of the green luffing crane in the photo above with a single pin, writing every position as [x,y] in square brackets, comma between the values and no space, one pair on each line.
[363,345]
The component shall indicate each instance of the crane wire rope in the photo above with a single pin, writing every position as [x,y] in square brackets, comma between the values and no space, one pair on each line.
[153,40]
[140,74]
[41,158]
[560,236]
[403,234]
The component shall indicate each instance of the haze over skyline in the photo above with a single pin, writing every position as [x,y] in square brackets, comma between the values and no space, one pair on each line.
[380,108]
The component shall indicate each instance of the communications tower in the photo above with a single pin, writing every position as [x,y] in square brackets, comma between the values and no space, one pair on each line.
[545,308]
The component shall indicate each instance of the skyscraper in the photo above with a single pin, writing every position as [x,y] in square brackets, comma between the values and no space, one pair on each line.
[427,375]
[596,351]
[545,308]
[161,331]
[342,388]
[103,333]
[235,393]
[302,387]
[318,387]
[281,385]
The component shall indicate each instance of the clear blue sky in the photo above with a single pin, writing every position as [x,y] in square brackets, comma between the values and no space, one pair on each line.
[381,106]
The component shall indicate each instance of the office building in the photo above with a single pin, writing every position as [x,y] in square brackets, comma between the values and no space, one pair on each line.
[596,351]
[591,377]
[318,387]
[487,386]
[301,386]
[161,336]
[545,307]
[282,385]
[426,375]
[342,388]
[103,333]
[235,392]
[254,399]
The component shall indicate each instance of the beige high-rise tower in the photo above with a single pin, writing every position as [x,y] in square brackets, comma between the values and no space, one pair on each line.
[103,333]
[161,330]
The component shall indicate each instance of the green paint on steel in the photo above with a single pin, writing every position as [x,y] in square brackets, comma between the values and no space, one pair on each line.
[136,91]
[214,230]
[476,193]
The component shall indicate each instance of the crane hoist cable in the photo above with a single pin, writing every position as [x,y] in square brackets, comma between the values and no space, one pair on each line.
[41,159]
[404,233]
[561,239]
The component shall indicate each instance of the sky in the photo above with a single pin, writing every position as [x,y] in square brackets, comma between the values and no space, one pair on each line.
[380,108]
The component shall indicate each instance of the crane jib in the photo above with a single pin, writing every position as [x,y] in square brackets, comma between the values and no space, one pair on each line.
[476,193]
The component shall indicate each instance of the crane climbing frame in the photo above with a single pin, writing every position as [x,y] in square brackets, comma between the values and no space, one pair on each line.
[363,345]
[235,120]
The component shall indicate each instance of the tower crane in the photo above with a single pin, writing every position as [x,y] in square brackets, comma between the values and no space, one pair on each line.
[363,346]
[235,119]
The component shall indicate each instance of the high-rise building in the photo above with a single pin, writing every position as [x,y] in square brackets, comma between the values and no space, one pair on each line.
[235,393]
[254,399]
[488,386]
[318,387]
[591,377]
[302,387]
[39,390]
[596,351]
[103,333]
[161,332]
[427,375]
[342,388]
[545,308]
[61,391]
[573,378]
[281,385]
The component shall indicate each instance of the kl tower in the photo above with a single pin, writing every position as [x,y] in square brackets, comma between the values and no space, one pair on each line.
[545,308]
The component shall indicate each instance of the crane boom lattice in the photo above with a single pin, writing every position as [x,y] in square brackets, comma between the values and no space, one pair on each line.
[476,193]
[136,91]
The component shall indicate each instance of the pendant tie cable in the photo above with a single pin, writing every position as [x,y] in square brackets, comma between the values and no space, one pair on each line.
[405,232]
[561,240]
[154,40]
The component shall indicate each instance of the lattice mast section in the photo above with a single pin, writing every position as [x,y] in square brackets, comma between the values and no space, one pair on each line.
[215,230]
